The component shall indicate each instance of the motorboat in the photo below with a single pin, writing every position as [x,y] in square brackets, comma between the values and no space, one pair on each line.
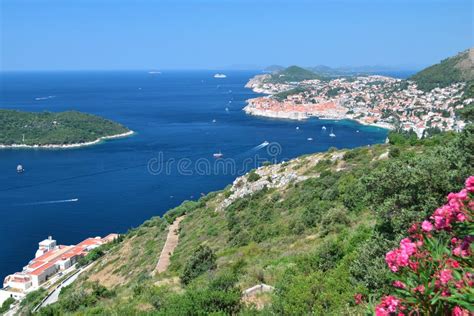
[218,155]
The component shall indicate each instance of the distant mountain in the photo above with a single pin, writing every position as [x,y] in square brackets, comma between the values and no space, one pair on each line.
[459,68]
[345,71]
[274,68]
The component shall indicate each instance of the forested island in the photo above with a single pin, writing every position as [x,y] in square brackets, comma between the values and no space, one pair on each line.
[55,130]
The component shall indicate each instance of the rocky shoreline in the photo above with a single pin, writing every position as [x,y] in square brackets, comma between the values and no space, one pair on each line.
[68,146]
[300,116]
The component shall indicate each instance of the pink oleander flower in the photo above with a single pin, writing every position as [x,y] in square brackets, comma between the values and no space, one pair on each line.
[458,311]
[413,265]
[407,246]
[462,195]
[452,263]
[427,226]
[420,289]
[470,184]
[399,284]
[388,305]
[413,228]
[391,260]
[358,298]
[445,276]
[461,217]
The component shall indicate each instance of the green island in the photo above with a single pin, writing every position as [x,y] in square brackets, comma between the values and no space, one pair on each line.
[315,230]
[47,129]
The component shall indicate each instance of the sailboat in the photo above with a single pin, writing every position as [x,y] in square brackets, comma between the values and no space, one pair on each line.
[332,134]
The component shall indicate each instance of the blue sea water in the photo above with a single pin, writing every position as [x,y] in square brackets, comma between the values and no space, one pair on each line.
[76,193]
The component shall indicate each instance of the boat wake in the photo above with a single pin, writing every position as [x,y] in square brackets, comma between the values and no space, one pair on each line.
[262,145]
[45,98]
[50,202]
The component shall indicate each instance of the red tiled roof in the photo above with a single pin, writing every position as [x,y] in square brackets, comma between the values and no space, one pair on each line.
[42,268]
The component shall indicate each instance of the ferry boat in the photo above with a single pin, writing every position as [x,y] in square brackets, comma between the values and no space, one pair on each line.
[220,76]
[218,155]
[20,169]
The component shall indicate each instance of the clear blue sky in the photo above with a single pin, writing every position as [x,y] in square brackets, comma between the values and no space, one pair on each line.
[207,34]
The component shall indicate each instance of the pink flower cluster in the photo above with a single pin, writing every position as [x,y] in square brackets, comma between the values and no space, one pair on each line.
[455,210]
[447,267]
[462,246]
[388,306]
[400,257]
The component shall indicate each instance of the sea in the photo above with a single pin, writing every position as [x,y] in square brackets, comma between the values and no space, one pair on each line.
[180,119]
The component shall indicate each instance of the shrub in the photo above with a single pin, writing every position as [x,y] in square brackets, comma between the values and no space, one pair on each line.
[6,305]
[202,260]
[253,176]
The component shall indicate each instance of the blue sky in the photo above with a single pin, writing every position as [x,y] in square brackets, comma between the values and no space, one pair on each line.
[209,34]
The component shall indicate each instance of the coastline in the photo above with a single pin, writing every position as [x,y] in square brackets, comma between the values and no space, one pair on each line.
[68,146]
[301,116]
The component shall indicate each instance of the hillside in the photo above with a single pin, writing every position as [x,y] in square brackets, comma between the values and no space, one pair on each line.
[316,228]
[459,68]
[293,74]
[46,128]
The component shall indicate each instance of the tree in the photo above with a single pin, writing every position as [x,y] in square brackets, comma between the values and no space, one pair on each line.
[202,260]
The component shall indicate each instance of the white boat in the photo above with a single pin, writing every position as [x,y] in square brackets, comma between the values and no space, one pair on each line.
[213,121]
[227,109]
[297,127]
[154,72]
[220,76]
[310,138]
[218,155]
[332,134]
[265,143]
[357,131]
[20,169]
[323,128]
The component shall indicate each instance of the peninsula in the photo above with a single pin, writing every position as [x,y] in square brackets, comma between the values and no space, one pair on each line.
[427,102]
[62,130]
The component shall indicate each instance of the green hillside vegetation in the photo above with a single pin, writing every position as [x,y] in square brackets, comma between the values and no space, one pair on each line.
[283,95]
[293,74]
[318,241]
[459,68]
[46,128]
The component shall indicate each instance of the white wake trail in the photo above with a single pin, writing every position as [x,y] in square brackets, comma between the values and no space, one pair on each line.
[51,202]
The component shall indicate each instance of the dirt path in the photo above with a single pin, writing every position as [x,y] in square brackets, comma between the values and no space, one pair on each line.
[170,244]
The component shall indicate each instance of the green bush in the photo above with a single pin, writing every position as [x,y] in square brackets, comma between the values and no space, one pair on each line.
[6,304]
[202,260]
[253,176]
